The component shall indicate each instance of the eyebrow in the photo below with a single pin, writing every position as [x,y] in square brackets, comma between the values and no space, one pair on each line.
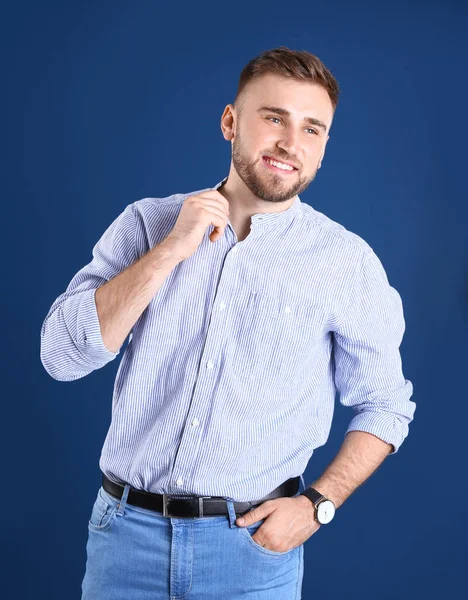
[286,113]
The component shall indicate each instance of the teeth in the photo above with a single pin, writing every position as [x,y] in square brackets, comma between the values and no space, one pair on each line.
[280,165]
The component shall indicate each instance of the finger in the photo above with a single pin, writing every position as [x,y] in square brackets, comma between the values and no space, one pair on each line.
[219,220]
[216,196]
[254,515]
[219,224]
[217,216]
[216,210]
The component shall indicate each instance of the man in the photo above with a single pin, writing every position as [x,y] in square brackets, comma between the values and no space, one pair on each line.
[245,311]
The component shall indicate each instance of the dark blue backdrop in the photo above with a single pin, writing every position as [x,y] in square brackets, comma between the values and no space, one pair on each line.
[106,103]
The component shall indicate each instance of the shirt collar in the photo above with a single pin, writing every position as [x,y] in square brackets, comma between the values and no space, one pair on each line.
[265,220]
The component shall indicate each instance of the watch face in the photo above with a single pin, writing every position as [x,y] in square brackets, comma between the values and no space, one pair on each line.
[325,511]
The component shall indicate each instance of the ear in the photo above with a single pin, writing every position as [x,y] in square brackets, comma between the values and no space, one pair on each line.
[228,122]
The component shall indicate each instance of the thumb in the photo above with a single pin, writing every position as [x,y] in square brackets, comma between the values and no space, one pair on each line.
[254,515]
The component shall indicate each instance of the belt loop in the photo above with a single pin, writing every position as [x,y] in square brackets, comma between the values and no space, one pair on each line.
[123,500]
[231,514]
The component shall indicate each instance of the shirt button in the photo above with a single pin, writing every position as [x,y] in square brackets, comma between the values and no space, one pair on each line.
[234,249]
[195,422]
[180,481]
[287,309]
[222,306]
[209,364]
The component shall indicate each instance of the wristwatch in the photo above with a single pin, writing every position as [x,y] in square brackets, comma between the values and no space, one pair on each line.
[324,507]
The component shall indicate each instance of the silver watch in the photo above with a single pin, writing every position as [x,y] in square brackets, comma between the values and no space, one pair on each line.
[324,507]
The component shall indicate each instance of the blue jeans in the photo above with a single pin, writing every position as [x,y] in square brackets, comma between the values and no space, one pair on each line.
[135,553]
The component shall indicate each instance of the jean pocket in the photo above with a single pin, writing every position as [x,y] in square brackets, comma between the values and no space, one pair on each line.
[276,338]
[103,511]
[250,530]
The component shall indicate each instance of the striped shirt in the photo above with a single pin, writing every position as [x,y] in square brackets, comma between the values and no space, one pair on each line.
[228,380]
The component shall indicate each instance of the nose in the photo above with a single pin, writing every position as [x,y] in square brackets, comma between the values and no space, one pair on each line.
[289,143]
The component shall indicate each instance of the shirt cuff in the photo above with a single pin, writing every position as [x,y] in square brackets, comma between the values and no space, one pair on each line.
[385,426]
[85,328]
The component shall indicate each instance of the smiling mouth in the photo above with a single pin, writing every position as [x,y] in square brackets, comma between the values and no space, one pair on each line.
[277,169]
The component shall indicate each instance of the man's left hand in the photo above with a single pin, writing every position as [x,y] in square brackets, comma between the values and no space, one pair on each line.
[289,522]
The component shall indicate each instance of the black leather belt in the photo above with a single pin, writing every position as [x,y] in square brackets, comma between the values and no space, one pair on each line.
[171,505]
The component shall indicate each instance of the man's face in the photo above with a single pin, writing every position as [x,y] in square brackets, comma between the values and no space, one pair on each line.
[259,132]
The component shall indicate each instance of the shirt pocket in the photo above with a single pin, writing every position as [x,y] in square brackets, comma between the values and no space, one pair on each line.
[276,339]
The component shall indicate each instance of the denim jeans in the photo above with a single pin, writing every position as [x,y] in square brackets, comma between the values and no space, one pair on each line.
[135,553]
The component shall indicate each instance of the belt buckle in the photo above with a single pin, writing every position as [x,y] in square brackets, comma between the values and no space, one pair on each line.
[200,504]
[167,497]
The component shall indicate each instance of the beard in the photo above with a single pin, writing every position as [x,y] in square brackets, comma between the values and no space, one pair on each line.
[266,185]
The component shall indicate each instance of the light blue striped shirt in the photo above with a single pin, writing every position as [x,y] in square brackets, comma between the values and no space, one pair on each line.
[228,381]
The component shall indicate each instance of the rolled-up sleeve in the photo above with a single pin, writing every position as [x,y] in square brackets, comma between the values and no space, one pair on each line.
[368,368]
[71,340]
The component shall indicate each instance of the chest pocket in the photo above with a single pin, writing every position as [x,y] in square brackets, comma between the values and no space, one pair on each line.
[276,339]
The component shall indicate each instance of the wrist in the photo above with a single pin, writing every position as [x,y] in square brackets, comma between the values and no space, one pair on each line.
[324,507]
[305,502]
[325,490]
[164,253]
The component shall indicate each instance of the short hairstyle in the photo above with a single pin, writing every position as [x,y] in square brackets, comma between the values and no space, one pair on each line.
[296,64]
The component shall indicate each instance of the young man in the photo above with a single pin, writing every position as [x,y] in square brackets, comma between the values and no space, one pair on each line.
[245,311]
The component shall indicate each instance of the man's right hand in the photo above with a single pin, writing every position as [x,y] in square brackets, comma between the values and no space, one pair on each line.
[196,214]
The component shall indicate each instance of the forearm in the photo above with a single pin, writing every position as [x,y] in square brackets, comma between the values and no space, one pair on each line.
[359,456]
[121,300]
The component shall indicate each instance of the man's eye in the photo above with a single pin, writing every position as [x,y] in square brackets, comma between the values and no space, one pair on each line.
[278,119]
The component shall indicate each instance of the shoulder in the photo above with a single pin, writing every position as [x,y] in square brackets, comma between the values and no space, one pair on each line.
[335,231]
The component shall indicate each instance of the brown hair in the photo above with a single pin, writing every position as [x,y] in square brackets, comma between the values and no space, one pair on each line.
[300,65]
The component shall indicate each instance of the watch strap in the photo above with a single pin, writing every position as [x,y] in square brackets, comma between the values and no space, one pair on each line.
[313,495]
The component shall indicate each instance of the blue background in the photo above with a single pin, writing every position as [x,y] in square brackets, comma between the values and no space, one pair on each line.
[105,103]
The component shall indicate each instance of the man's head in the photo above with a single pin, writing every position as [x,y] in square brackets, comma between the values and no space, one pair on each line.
[294,82]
